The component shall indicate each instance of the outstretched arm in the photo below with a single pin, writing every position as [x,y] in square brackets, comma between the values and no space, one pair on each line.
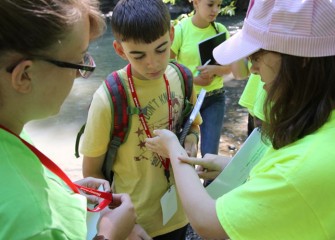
[208,167]
[191,191]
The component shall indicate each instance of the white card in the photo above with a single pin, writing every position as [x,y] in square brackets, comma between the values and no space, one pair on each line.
[169,204]
[92,219]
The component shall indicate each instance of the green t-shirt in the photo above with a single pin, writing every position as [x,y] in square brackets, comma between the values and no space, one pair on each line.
[35,204]
[290,193]
[253,96]
[185,46]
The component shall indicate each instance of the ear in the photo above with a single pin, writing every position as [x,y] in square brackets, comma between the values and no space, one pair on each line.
[171,33]
[119,50]
[21,81]
[195,3]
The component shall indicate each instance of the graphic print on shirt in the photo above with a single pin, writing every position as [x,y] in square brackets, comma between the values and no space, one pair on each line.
[154,108]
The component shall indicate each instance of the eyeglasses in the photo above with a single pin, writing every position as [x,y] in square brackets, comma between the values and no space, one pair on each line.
[85,69]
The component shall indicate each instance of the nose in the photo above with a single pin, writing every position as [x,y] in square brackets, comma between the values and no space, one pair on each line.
[152,62]
[254,69]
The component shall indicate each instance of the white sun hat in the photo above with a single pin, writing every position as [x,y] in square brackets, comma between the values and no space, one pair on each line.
[303,28]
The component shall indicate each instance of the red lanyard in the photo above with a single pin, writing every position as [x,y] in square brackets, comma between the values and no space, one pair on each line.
[108,197]
[166,162]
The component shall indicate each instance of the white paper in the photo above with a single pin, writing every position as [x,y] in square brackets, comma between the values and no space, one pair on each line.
[237,171]
[169,204]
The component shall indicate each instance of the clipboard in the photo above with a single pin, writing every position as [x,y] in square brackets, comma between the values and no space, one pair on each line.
[194,113]
[207,46]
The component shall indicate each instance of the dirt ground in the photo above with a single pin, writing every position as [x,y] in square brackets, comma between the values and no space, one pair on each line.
[234,130]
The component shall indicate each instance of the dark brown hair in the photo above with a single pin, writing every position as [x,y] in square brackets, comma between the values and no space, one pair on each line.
[301,98]
[140,20]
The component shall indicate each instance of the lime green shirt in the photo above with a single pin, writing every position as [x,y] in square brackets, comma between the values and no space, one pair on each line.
[35,204]
[185,46]
[253,96]
[290,193]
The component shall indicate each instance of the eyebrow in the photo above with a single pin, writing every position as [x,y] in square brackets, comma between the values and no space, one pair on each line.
[139,52]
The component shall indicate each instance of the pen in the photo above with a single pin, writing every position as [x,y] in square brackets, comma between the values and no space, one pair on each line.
[206,63]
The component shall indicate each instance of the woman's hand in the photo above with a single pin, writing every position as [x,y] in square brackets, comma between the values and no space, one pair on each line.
[208,167]
[95,183]
[164,142]
[138,233]
[117,223]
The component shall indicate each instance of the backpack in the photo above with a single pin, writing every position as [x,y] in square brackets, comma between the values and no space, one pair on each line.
[122,112]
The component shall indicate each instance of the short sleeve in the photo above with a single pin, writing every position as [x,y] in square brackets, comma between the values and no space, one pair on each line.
[97,130]
[177,40]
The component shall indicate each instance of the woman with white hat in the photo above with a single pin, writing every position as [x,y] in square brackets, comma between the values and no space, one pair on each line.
[290,193]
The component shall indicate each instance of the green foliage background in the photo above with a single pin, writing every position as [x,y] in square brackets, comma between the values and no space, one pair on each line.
[228,7]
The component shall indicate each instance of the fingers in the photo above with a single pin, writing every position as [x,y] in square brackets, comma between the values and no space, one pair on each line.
[208,175]
[192,160]
[119,199]
[158,132]
[150,144]
[106,186]
[92,199]
[95,183]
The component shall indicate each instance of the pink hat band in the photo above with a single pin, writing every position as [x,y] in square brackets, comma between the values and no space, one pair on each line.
[296,27]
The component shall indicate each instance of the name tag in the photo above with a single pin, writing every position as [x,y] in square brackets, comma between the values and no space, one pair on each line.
[169,204]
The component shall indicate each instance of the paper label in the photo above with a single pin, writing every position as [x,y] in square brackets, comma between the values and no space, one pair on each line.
[169,204]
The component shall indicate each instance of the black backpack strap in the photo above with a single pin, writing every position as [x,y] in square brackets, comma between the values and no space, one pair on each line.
[215,27]
[119,128]
[79,134]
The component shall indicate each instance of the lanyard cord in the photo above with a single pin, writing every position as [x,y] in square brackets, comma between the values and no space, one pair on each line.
[108,198]
[166,162]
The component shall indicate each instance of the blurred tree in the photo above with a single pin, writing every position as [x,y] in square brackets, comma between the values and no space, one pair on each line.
[178,7]
[228,6]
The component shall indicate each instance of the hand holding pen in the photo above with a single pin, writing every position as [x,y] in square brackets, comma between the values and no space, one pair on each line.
[199,68]
[204,76]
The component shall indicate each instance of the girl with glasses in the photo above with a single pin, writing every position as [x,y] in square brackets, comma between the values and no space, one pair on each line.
[43,48]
